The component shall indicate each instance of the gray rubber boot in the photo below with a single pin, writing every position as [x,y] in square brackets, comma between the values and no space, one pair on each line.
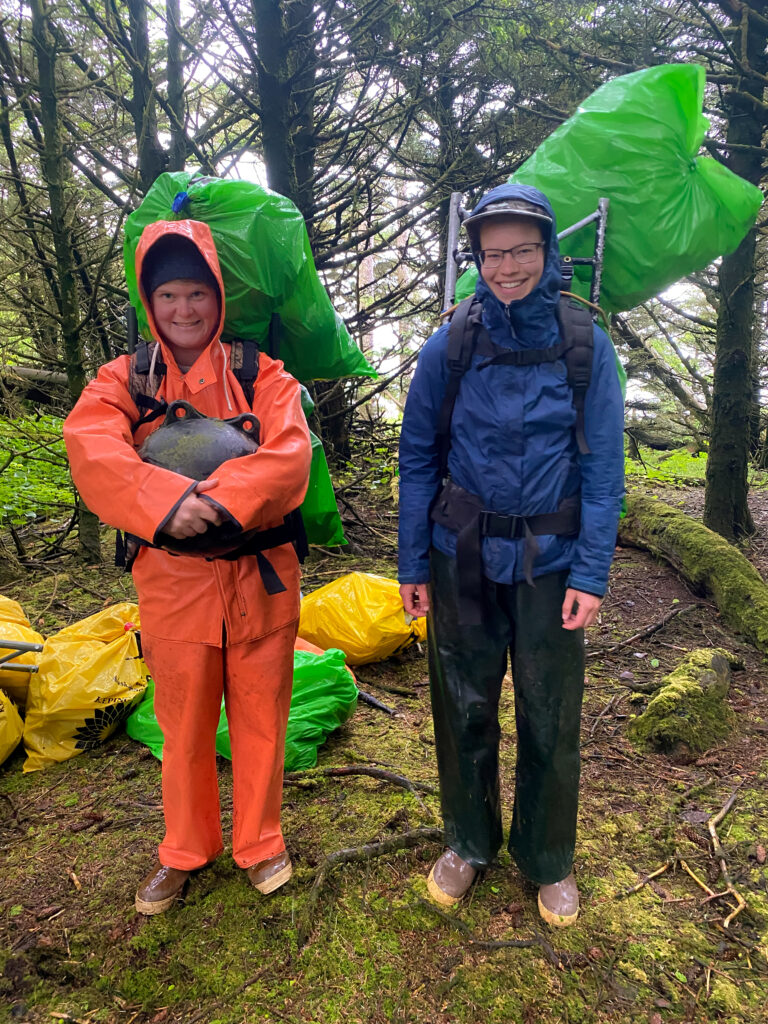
[559,902]
[450,878]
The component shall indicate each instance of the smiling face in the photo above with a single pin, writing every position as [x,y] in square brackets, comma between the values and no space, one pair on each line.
[512,281]
[186,314]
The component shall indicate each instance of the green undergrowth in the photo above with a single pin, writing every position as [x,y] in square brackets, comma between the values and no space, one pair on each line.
[34,479]
[679,466]
[368,947]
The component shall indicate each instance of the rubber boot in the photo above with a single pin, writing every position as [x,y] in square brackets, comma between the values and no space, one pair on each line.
[160,889]
[268,875]
[559,902]
[450,879]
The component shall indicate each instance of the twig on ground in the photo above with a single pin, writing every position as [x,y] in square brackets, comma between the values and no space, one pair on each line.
[357,516]
[53,596]
[63,535]
[20,550]
[205,1013]
[538,939]
[399,691]
[702,885]
[641,884]
[361,769]
[372,702]
[648,631]
[352,483]
[356,854]
[720,854]
[327,551]
[610,706]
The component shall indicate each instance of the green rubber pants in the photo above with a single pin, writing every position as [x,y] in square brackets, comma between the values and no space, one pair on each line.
[466,667]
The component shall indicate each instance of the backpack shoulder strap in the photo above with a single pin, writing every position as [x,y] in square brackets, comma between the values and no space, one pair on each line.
[244,360]
[577,331]
[141,387]
[461,342]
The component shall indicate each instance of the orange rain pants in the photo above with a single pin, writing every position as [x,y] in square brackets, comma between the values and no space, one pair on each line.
[255,679]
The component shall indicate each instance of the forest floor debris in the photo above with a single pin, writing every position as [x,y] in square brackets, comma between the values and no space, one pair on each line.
[353,938]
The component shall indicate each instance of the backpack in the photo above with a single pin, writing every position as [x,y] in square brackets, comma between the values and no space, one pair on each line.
[466,335]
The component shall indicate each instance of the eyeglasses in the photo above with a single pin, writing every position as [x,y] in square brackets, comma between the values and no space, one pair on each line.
[520,254]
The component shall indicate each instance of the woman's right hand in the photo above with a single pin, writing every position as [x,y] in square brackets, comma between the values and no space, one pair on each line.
[415,598]
[193,516]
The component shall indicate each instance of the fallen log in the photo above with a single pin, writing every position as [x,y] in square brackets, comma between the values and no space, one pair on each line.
[709,564]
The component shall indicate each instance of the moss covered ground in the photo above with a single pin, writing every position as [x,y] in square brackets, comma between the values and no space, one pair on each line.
[368,947]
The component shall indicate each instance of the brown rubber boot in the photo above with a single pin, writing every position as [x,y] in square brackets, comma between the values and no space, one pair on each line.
[559,903]
[161,887]
[450,878]
[269,875]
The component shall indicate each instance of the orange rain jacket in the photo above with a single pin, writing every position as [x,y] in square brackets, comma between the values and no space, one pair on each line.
[190,598]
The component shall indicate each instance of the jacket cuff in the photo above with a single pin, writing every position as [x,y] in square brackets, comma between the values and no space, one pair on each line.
[415,577]
[586,586]
[172,512]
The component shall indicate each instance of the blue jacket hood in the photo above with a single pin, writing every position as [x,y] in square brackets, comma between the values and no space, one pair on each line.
[532,319]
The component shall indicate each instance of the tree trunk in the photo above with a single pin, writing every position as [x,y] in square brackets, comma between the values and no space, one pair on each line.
[55,172]
[88,535]
[725,500]
[286,75]
[177,152]
[301,16]
[150,152]
[725,503]
[275,107]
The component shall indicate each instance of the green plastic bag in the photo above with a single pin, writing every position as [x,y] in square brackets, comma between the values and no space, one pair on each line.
[324,697]
[635,141]
[318,510]
[267,266]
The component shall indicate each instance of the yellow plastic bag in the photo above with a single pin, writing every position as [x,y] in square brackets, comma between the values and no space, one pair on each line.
[14,625]
[11,727]
[362,615]
[90,675]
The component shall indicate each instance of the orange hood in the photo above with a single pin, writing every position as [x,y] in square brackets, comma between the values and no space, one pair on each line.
[200,235]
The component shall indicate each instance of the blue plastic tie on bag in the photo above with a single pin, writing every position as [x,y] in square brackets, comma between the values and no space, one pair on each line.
[180,201]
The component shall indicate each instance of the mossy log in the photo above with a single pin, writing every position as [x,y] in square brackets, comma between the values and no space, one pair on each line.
[689,714]
[713,567]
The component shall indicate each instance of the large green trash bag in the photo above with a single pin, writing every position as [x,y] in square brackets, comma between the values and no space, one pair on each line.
[324,697]
[267,266]
[318,510]
[635,141]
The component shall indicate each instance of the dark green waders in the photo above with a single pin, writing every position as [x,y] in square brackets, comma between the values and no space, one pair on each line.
[466,667]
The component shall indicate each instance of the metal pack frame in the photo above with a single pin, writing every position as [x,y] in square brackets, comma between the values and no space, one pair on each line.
[456,258]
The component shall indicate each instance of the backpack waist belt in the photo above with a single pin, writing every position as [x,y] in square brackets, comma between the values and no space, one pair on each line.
[463,513]
[290,531]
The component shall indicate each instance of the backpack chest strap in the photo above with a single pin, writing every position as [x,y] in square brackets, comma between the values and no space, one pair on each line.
[496,355]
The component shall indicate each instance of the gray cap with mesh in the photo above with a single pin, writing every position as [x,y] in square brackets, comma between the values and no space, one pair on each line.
[507,208]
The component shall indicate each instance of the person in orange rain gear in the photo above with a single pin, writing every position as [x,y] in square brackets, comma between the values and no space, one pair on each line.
[208,625]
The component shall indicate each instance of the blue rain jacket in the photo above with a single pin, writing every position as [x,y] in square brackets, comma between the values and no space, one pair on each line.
[512,439]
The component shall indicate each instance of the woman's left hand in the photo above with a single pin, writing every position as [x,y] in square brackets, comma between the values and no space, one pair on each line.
[580,609]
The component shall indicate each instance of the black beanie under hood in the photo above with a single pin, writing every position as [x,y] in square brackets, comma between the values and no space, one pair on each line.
[174,258]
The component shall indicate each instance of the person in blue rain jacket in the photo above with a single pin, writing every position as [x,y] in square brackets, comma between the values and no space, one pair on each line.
[507,546]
